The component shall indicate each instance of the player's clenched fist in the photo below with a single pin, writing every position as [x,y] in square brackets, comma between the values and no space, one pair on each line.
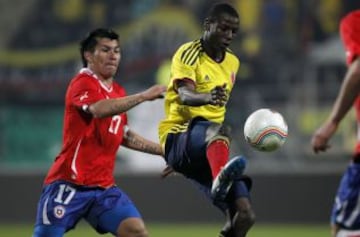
[218,95]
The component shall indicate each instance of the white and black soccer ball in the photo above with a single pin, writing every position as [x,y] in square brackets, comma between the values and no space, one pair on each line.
[265,130]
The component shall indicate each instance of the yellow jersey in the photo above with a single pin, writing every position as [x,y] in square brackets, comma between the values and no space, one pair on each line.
[191,62]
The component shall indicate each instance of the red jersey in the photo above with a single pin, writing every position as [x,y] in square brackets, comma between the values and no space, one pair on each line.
[350,34]
[90,144]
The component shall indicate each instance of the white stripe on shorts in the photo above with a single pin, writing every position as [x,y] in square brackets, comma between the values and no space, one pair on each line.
[46,220]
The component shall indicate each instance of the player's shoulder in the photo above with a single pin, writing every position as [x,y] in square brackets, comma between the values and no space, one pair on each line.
[353,16]
[85,75]
[189,52]
[83,78]
[189,45]
[350,23]
[231,56]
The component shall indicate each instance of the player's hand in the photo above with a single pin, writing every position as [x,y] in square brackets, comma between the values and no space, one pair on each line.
[154,92]
[320,139]
[218,95]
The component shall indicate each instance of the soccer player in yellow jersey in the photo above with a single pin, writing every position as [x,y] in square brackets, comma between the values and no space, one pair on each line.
[195,140]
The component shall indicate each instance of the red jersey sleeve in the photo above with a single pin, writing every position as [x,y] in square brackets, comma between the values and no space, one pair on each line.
[84,92]
[350,34]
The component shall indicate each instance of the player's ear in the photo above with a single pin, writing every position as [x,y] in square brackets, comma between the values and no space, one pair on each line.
[88,56]
[207,24]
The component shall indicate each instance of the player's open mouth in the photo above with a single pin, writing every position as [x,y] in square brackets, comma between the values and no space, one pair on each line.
[226,44]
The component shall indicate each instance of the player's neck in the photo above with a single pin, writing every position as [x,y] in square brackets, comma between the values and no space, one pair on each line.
[214,53]
[106,81]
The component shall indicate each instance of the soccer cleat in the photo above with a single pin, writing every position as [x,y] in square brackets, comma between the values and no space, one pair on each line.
[233,170]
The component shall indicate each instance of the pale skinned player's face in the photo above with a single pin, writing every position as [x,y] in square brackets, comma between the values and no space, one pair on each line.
[105,59]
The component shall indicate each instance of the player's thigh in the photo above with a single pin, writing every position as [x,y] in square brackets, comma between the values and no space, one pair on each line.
[61,205]
[48,230]
[122,220]
[185,151]
[114,212]
[199,135]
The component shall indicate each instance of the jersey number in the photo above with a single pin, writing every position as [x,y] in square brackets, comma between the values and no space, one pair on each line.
[63,188]
[115,124]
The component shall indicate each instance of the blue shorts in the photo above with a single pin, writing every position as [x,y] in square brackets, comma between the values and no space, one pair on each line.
[186,153]
[346,210]
[63,204]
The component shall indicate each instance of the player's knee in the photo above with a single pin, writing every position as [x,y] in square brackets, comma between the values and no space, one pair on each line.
[218,131]
[133,232]
[132,228]
[138,232]
[245,218]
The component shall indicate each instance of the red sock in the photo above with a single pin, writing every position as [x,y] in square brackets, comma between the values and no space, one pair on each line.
[217,154]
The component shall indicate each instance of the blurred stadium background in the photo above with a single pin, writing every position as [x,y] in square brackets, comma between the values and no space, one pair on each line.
[292,60]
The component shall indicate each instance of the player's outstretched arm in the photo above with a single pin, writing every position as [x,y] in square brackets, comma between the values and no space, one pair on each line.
[110,107]
[349,91]
[189,96]
[137,142]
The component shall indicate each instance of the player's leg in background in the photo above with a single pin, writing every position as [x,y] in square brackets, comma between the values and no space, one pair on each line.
[345,214]
[240,216]
[244,217]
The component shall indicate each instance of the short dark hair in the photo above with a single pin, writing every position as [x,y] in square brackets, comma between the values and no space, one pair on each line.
[89,43]
[220,8]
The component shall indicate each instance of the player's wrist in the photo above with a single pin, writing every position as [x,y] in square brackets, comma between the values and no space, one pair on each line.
[208,98]
[141,97]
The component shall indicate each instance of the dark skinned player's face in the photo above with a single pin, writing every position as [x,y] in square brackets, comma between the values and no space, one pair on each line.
[223,30]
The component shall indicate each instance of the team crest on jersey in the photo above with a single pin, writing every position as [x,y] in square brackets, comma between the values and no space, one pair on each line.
[84,96]
[232,77]
[59,211]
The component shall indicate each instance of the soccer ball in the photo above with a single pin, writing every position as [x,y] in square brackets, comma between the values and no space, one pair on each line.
[265,130]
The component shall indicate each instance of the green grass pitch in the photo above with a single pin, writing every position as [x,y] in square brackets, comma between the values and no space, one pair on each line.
[188,230]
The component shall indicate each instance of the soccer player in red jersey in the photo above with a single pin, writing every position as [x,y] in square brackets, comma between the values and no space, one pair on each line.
[345,217]
[80,184]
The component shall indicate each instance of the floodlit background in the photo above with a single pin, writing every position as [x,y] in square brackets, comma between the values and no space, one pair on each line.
[292,60]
